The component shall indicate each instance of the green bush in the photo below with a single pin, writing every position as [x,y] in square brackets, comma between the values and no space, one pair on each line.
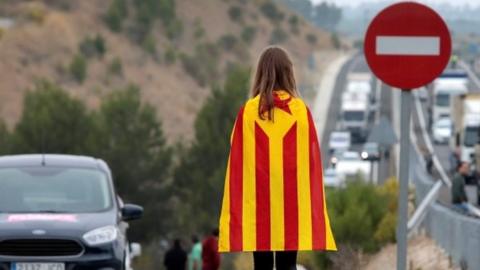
[174,29]
[356,213]
[294,22]
[199,31]
[270,10]
[311,38]
[278,36]
[170,55]
[116,67]
[227,42]
[203,65]
[116,13]
[335,40]
[93,46]
[4,138]
[149,45]
[78,68]
[235,13]
[248,34]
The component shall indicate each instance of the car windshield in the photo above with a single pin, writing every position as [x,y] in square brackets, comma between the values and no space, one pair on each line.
[353,115]
[53,190]
[471,136]
[443,100]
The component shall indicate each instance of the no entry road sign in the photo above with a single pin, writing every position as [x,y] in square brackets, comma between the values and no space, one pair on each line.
[407,45]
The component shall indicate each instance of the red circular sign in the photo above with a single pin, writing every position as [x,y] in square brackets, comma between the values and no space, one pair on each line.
[407,45]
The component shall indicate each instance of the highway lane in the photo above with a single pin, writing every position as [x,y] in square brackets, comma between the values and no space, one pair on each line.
[380,170]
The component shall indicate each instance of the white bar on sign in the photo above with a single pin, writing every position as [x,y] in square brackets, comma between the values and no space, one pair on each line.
[407,45]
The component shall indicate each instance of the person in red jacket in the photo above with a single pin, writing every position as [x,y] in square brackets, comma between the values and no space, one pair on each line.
[210,255]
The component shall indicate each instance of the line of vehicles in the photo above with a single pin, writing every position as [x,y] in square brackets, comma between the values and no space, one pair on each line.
[357,109]
[455,116]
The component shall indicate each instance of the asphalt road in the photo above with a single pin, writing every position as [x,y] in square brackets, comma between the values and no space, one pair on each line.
[380,170]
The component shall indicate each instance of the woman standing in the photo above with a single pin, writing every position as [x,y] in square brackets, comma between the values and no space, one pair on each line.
[274,197]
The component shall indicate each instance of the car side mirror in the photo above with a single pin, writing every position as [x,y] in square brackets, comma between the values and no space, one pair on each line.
[131,212]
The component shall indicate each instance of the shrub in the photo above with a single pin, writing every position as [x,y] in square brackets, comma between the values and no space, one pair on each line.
[174,29]
[116,13]
[36,12]
[248,34]
[235,13]
[356,213]
[116,67]
[4,138]
[199,31]
[202,66]
[93,46]
[270,10]
[293,21]
[278,36]
[311,38]
[149,45]
[335,40]
[78,68]
[227,41]
[170,55]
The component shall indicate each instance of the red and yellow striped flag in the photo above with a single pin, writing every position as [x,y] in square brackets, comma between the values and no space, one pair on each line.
[274,195]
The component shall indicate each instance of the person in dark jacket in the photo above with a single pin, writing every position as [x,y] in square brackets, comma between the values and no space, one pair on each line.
[176,257]
[459,196]
[210,254]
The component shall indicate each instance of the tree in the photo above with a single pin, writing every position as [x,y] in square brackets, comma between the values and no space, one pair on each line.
[201,171]
[4,138]
[130,139]
[78,68]
[327,15]
[116,13]
[51,122]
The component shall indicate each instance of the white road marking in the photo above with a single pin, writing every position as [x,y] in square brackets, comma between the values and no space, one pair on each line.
[324,93]
[407,45]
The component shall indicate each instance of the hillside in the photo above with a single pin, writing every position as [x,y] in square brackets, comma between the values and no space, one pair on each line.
[174,61]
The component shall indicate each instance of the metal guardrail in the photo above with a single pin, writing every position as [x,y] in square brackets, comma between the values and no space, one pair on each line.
[456,233]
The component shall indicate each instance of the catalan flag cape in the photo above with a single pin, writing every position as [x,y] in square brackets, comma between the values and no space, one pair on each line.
[274,196]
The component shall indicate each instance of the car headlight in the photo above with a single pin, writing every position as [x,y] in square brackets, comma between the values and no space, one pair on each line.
[364,155]
[101,236]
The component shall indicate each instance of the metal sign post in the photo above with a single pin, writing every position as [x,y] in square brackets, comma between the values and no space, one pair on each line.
[405,116]
[407,45]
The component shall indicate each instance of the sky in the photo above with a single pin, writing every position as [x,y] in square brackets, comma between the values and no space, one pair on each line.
[356,2]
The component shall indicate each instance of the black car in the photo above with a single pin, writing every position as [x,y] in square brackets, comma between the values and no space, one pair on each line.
[60,212]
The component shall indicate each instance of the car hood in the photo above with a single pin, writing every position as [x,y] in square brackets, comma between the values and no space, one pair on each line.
[52,225]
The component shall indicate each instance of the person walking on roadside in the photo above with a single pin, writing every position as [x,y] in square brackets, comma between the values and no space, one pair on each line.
[459,196]
[274,199]
[210,255]
[176,257]
[195,256]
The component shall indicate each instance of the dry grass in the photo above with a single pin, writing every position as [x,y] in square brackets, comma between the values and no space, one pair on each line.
[43,48]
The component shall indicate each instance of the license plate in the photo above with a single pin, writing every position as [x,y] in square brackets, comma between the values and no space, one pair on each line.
[38,266]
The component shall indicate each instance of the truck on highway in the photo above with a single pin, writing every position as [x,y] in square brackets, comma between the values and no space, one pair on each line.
[465,110]
[448,85]
[361,82]
[354,114]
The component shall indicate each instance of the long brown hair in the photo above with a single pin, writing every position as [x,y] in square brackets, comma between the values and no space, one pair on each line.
[274,72]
